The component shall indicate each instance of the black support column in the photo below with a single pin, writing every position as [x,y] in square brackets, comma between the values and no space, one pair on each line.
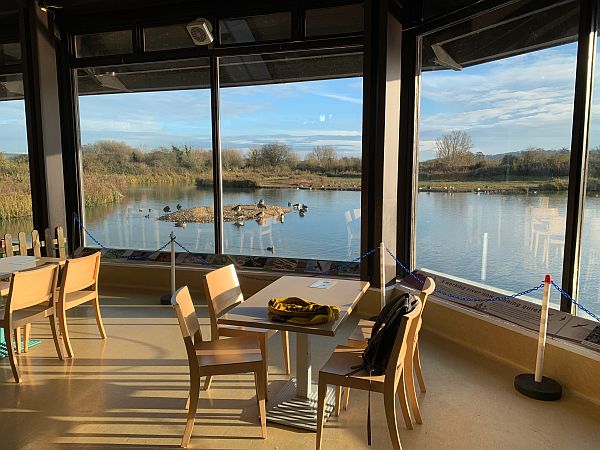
[381,115]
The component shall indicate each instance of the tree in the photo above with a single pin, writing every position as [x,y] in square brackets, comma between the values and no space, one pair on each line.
[323,156]
[276,154]
[455,147]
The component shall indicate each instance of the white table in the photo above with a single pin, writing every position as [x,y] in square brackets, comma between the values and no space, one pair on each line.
[13,264]
[295,404]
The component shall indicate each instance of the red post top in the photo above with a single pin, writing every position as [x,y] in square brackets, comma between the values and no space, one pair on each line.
[548,279]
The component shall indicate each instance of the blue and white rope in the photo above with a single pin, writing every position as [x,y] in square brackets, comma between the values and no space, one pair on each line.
[572,300]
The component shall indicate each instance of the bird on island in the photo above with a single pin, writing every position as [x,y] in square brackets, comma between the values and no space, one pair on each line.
[180,224]
[271,249]
[282,217]
[238,223]
[261,204]
[237,208]
[167,209]
[179,207]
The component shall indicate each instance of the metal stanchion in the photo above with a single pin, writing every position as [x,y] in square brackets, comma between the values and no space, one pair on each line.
[166,299]
[535,385]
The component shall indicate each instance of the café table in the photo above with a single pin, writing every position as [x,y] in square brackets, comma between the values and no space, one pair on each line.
[295,404]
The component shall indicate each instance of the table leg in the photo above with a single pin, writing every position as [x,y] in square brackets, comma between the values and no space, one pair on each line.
[303,365]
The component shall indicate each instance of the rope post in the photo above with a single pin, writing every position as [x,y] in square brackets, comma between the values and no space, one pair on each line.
[536,385]
[173,287]
[382,272]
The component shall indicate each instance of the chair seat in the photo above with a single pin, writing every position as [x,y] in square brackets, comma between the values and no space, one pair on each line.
[228,352]
[28,315]
[361,334]
[341,363]
[77,298]
[234,331]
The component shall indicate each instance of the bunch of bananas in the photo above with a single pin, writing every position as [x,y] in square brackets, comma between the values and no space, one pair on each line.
[299,311]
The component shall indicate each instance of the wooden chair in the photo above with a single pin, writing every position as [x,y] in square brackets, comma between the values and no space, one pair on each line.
[341,363]
[79,284]
[30,298]
[359,339]
[216,357]
[222,289]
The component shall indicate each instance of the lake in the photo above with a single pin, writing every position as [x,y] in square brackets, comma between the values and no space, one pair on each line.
[487,238]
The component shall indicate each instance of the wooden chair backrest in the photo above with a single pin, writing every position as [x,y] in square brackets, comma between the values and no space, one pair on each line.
[80,273]
[426,291]
[53,246]
[190,327]
[404,338]
[222,290]
[32,287]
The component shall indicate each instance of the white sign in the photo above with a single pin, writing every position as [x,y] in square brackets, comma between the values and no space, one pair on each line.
[322,284]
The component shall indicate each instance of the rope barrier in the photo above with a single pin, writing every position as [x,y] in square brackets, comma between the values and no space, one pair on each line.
[368,253]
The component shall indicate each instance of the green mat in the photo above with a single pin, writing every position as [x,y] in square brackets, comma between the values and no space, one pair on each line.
[4,351]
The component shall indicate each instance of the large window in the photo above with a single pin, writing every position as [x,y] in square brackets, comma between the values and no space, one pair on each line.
[15,191]
[147,158]
[291,138]
[496,109]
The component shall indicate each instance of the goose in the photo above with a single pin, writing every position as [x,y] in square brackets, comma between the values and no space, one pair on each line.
[302,213]
[271,249]
[282,217]
[237,208]
[147,216]
[149,210]
[296,205]
[304,207]
[261,204]
[289,204]
[140,210]
[179,207]
[167,209]
[180,224]
[238,223]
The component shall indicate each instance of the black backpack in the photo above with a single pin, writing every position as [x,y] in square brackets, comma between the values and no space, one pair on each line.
[380,345]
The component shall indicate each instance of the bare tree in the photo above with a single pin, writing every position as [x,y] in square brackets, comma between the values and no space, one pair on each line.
[323,156]
[455,147]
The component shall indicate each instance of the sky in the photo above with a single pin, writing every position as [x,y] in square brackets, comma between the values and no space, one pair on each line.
[505,106]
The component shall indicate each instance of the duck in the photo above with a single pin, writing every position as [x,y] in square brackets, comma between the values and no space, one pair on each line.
[271,249]
[304,207]
[282,217]
[302,213]
[147,216]
[167,209]
[149,210]
[237,208]
[179,207]
[296,205]
[140,210]
[289,204]
[238,223]
[180,224]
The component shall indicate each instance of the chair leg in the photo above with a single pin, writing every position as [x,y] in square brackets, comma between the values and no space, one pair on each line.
[264,350]
[286,352]
[338,401]
[418,371]
[17,339]
[321,413]
[346,397]
[55,336]
[62,323]
[8,336]
[206,384]
[260,396]
[409,379]
[26,337]
[191,412]
[404,403]
[99,318]
[389,402]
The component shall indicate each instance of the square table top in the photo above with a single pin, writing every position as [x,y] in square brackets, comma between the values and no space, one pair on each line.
[254,313]
[13,264]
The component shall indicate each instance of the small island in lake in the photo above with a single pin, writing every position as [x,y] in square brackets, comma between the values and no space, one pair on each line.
[231,213]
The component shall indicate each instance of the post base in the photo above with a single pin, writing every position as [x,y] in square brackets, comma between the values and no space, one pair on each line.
[165,299]
[546,390]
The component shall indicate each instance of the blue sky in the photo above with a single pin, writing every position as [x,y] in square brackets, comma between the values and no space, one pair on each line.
[505,105]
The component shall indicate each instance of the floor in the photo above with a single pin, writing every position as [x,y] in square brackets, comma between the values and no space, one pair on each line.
[129,392]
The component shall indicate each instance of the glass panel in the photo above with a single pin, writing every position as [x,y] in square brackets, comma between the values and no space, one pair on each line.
[589,274]
[269,27]
[147,154]
[102,44]
[495,131]
[291,129]
[10,53]
[339,20]
[15,190]
[167,37]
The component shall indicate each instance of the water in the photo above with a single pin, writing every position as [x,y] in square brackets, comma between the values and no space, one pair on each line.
[452,230]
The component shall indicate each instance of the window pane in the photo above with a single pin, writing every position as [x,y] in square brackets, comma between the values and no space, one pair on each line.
[495,133]
[268,27]
[15,191]
[589,274]
[167,37]
[291,127]
[10,53]
[339,20]
[146,148]
[102,44]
